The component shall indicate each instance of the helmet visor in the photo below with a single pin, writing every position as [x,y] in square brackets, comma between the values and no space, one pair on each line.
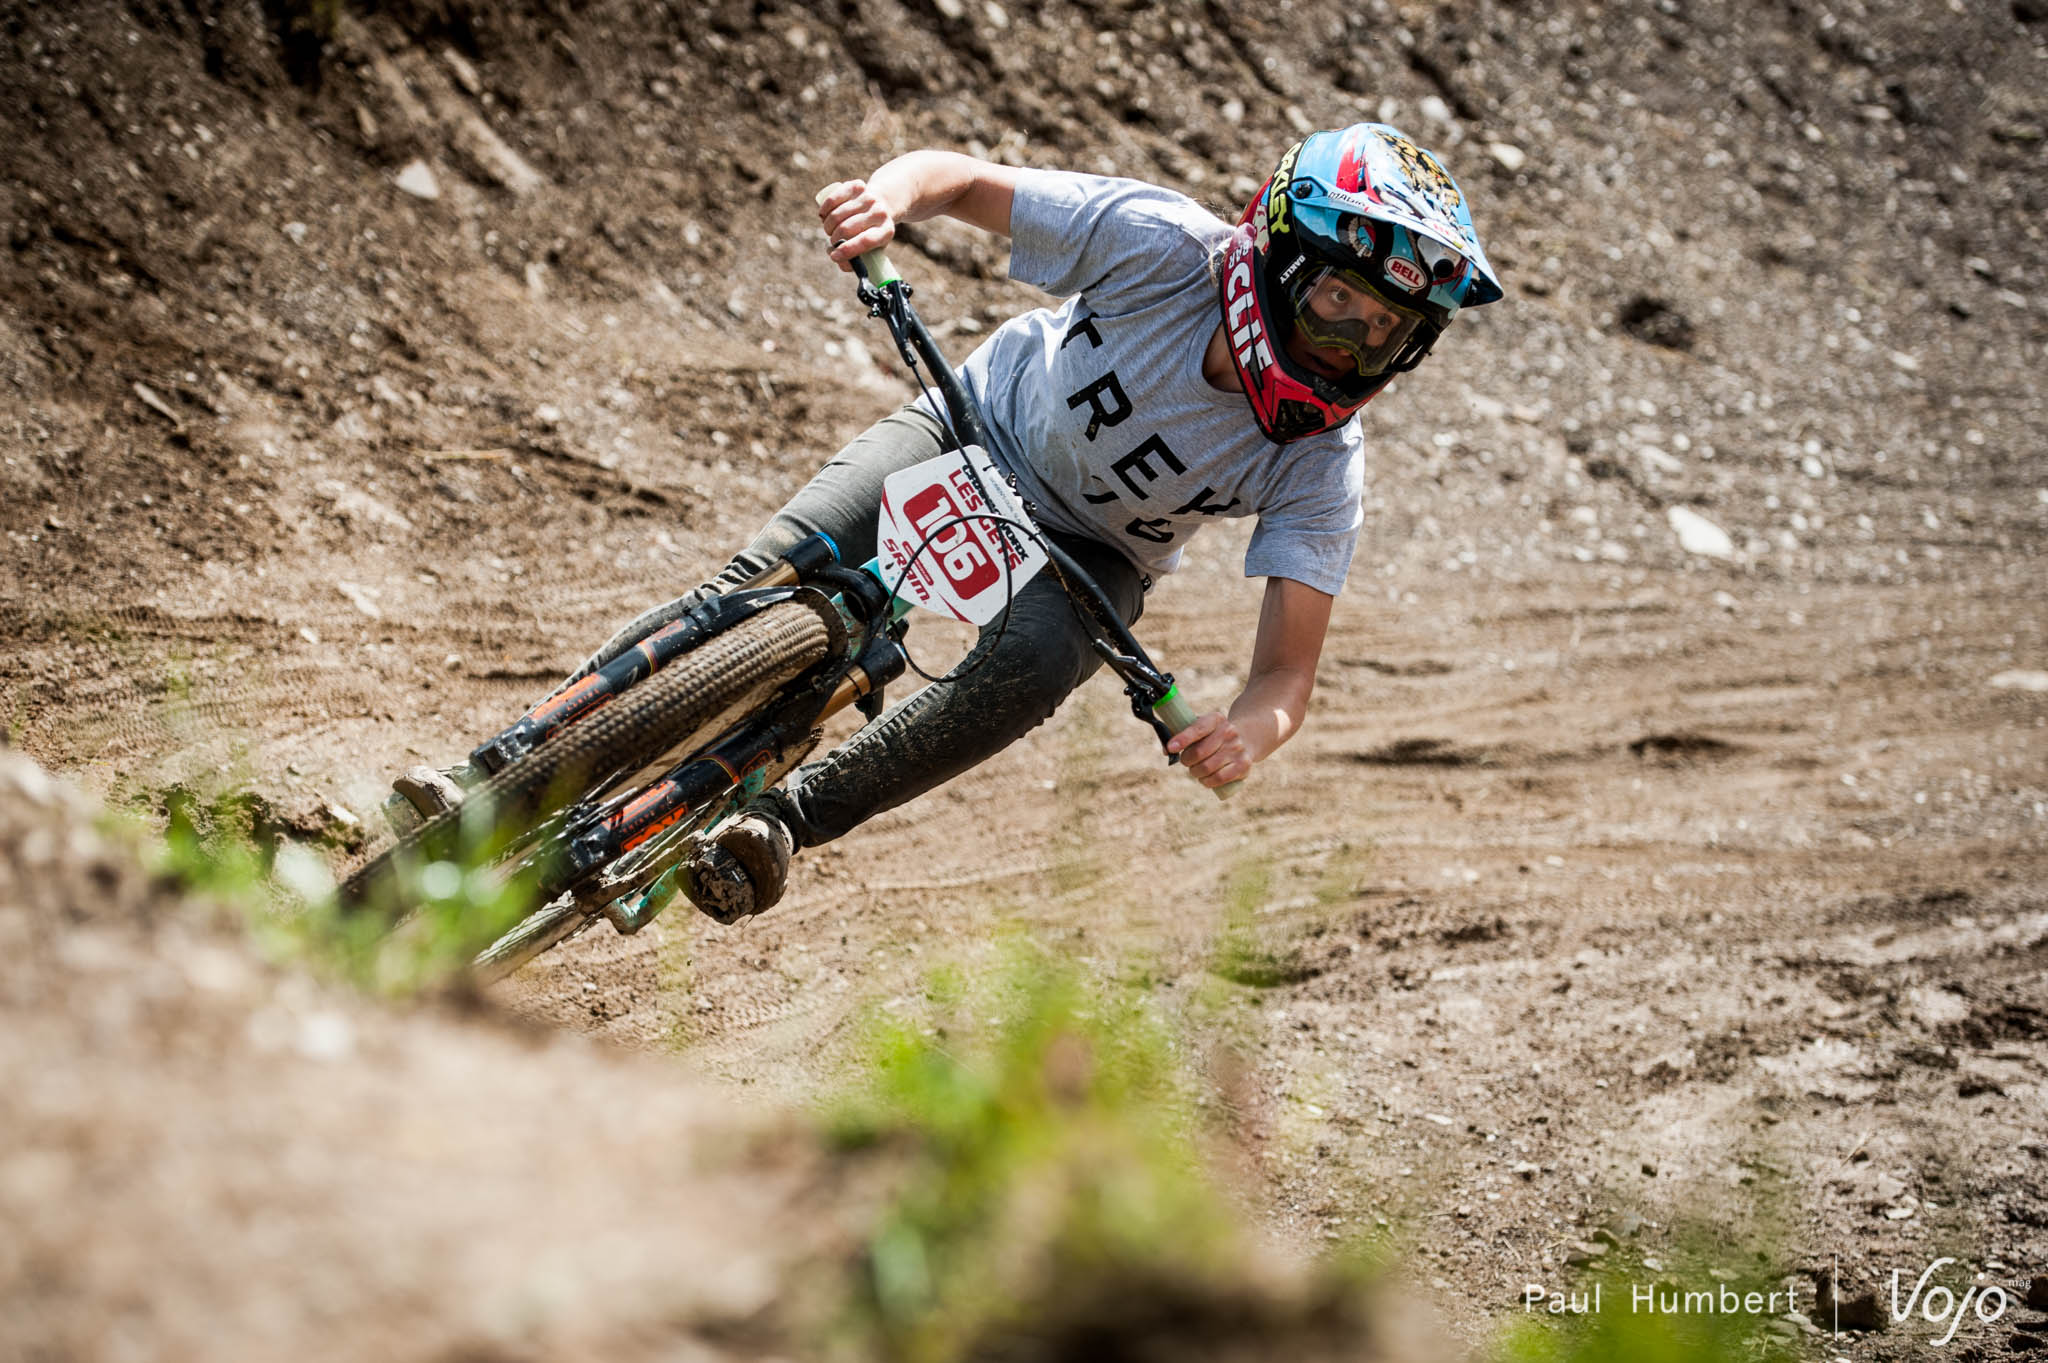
[1340,312]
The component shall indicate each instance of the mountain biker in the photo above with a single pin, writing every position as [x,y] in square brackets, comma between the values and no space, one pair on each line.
[1121,415]
[1195,370]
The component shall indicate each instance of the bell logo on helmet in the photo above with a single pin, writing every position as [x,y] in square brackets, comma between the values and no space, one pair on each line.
[1247,334]
[1407,274]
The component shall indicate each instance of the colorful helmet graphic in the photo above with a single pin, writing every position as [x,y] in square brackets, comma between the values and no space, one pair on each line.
[1359,250]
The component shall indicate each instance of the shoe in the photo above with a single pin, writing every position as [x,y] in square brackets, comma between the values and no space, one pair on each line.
[423,793]
[742,869]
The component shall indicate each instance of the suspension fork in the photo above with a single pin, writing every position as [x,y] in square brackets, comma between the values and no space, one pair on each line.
[723,776]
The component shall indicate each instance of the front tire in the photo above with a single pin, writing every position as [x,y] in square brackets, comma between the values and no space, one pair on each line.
[749,661]
[529,937]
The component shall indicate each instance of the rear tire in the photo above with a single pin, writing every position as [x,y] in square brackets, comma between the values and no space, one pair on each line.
[753,658]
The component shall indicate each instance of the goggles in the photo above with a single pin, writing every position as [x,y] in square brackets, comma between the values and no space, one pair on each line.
[1339,309]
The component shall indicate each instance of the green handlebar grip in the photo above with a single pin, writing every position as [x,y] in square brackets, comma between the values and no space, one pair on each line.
[1175,712]
[874,264]
[879,270]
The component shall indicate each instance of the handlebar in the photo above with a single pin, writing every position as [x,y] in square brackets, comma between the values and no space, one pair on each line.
[1169,709]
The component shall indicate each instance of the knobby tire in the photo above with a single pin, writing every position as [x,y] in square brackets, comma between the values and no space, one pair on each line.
[529,937]
[756,655]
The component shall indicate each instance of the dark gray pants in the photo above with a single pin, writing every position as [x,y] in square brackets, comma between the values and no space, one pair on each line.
[1020,672]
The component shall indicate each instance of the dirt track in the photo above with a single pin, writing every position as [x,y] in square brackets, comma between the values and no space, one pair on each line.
[1699,889]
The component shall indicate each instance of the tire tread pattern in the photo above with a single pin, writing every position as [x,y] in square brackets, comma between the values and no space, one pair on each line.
[778,643]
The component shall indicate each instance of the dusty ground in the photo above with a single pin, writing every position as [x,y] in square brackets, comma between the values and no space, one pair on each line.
[1611,887]
[209,1158]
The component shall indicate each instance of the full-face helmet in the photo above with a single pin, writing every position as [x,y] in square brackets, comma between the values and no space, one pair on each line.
[1346,267]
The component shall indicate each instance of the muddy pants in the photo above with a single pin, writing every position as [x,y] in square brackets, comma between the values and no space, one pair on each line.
[1021,673]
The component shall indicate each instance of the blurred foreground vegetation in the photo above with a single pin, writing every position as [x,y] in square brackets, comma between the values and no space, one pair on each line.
[1052,1190]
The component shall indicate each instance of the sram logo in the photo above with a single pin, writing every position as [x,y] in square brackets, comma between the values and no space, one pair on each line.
[1247,334]
[1407,274]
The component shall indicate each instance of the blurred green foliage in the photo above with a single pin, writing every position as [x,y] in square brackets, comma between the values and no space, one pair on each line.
[1247,952]
[1050,1192]
[1053,1183]
[225,846]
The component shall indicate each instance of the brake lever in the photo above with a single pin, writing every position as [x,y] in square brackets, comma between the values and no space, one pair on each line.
[1142,708]
[1146,687]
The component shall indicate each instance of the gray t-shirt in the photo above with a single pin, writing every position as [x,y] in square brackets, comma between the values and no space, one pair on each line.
[1099,409]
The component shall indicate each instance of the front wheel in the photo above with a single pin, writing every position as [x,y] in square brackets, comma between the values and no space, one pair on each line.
[737,668]
[529,937]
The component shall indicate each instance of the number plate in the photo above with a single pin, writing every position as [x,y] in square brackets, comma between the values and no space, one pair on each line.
[961,571]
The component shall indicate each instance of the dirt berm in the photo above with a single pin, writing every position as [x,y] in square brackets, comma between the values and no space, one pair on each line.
[207,1157]
[211,1156]
[1664,857]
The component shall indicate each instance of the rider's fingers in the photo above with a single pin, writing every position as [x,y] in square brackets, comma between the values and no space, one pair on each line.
[863,220]
[1230,771]
[837,212]
[861,243]
[1209,757]
[1203,726]
[837,193]
[839,227]
[1214,754]
[855,218]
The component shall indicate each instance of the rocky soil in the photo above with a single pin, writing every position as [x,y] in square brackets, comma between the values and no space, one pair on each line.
[1631,878]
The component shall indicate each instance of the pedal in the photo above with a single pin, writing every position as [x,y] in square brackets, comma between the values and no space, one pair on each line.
[423,793]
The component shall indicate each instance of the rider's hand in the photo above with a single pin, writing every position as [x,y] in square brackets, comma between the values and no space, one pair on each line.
[857,220]
[1212,750]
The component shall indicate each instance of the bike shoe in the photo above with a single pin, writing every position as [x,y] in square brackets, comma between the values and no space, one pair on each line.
[742,869]
[421,794]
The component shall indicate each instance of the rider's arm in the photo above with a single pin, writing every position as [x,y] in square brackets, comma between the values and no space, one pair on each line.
[1220,748]
[861,215]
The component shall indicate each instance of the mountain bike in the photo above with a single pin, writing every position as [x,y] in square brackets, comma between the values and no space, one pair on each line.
[591,803]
